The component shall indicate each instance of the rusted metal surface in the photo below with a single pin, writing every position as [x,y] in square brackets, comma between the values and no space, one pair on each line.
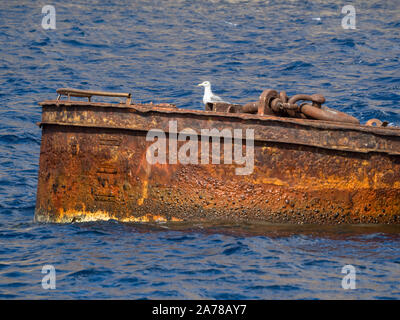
[93,166]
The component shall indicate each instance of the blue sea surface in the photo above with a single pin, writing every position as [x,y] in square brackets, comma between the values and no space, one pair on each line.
[159,51]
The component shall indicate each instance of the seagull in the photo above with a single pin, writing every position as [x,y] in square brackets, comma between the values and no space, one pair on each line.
[208,95]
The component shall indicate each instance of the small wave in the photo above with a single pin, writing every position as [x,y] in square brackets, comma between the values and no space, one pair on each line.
[229,296]
[349,42]
[91,233]
[132,280]
[78,43]
[210,271]
[296,65]
[11,138]
[277,287]
[89,273]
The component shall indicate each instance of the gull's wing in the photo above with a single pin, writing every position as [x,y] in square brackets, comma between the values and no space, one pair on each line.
[214,98]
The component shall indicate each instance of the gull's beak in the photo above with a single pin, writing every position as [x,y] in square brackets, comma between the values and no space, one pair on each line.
[200,85]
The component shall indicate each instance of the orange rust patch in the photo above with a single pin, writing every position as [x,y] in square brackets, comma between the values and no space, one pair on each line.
[144,193]
[88,216]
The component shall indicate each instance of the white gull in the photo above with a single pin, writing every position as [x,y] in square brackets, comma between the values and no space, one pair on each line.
[208,95]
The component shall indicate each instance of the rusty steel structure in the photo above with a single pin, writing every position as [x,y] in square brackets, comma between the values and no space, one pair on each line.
[93,164]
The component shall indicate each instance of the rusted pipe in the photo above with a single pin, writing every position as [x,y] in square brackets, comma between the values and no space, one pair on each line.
[251,107]
[327,114]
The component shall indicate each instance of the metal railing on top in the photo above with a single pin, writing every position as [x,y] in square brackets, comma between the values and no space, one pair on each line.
[88,94]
